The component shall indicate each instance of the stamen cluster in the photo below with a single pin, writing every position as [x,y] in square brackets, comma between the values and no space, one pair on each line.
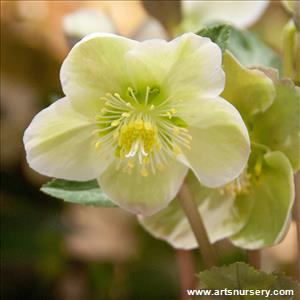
[239,186]
[140,133]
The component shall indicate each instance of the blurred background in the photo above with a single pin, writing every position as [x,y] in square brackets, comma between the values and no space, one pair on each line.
[53,250]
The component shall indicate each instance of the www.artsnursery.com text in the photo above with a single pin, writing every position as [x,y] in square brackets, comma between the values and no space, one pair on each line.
[240,292]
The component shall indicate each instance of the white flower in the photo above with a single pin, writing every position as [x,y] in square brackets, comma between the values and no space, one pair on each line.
[137,116]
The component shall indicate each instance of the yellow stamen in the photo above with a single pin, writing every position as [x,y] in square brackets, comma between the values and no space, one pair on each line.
[176,150]
[138,124]
[98,145]
[176,131]
[126,115]
[257,168]
[115,123]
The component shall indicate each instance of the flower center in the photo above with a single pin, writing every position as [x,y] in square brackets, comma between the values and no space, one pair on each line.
[136,135]
[141,132]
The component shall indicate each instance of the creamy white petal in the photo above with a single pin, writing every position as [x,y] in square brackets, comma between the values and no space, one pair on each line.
[186,66]
[94,67]
[60,142]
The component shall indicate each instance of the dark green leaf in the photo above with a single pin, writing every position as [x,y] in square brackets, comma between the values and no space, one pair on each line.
[87,193]
[219,34]
[250,50]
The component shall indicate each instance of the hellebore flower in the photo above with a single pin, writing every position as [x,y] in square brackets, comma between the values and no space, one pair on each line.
[137,116]
[241,14]
[253,210]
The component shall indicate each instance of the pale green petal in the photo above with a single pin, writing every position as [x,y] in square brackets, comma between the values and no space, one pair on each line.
[223,216]
[242,14]
[273,196]
[279,126]
[186,66]
[220,143]
[95,66]
[59,142]
[250,91]
[139,194]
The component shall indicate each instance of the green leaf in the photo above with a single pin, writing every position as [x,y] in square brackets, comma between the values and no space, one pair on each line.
[250,91]
[87,193]
[236,276]
[285,283]
[279,127]
[272,194]
[250,50]
[219,34]
[240,276]
[245,45]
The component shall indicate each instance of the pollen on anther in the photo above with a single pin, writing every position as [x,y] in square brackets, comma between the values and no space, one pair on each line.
[176,150]
[115,123]
[126,115]
[138,124]
[176,131]
[98,145]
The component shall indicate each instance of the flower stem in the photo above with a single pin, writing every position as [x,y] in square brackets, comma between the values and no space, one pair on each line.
[186,271]
[190,209]
[254,258]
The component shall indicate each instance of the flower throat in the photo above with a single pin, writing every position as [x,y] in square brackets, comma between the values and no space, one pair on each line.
[143,134]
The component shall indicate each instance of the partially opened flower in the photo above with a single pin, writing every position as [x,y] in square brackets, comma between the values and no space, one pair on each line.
[137,116]
[253,210]
[242,14]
